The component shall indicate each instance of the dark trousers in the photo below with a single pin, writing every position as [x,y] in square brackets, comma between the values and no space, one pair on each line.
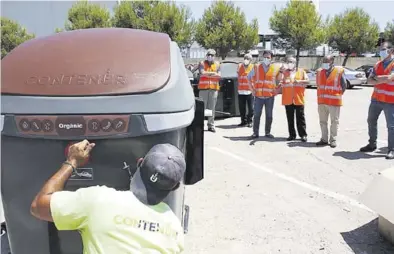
[300,118]
[245,101]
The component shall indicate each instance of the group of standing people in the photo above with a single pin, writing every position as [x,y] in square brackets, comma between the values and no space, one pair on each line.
[260,83]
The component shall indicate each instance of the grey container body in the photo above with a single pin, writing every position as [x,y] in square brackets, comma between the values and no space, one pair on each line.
[29,160]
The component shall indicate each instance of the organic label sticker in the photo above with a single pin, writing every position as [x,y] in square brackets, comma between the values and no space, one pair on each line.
[82,174]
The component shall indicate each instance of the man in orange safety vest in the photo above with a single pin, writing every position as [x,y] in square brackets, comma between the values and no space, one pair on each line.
[209,80]
[264,79]
[331,84]
[293,98]
[245,97]
[382,77]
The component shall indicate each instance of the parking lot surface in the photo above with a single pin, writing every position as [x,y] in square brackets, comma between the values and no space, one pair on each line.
[274,196]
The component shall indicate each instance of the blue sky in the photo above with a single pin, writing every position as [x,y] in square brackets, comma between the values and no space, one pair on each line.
[43,17]
[381,11]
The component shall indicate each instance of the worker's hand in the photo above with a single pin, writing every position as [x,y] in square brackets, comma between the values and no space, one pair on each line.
[79,153]
[296,81]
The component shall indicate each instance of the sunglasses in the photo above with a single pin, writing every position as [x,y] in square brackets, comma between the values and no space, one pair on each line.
[209,55]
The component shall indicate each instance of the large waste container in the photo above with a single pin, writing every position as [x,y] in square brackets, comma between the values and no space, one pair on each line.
[124,89]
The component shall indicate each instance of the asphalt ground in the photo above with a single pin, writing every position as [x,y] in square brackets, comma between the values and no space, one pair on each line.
[274,196]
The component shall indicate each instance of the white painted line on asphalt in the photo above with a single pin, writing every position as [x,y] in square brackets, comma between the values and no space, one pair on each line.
[293,180]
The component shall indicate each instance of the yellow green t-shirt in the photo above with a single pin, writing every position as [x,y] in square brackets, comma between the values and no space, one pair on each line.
[116,222]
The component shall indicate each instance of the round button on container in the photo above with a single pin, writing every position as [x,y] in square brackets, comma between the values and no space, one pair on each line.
[36,125]
[24,124]
[48,126]
[94,125]
[119,124]
[106,125]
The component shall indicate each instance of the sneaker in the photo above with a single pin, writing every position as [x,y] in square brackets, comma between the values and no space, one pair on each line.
[254,136]
[304,139]
[291,138]
[368,148]
[211,129]
[321,143]
[333,144]
[269,135]
[242,124]
[250,125]
[390,155]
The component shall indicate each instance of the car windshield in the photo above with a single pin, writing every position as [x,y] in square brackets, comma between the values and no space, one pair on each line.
[349,69]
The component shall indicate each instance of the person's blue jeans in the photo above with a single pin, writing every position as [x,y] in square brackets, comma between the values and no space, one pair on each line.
[375,109]
[259,103]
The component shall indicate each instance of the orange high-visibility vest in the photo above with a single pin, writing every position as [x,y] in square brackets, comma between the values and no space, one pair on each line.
[329,89]
[209,82]
[384,92]
[265,83]
[243,72]
[293,93]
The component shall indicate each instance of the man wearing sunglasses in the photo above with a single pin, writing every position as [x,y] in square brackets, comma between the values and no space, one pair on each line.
[112,221]
[382,77]
[209,80]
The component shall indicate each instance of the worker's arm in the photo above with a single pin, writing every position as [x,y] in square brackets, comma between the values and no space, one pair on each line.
[343,82]
[250,79]
[201,68]
[41,205]
[374,79]
[304,80]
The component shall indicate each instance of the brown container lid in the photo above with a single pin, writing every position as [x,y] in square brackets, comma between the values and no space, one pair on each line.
[102,61]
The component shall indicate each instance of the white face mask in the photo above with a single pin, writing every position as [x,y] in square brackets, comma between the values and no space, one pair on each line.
[383,54]
[291,66]
[210,58]
[266,61]
[325,66]
[246,62]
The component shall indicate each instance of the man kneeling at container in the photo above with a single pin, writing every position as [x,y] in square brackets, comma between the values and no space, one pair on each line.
[111,221]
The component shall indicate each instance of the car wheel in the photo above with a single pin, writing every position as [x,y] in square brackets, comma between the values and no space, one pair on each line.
[349,86]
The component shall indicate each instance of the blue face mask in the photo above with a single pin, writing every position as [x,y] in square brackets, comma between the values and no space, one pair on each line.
[266,61]
[383,54]
[325,66]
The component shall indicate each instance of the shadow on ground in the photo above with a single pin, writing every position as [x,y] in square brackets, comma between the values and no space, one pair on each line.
[254,141]
[367,240]
[357,155]
[301,144]
[227,127]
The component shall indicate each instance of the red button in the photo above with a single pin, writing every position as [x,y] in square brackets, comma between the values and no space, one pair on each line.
[66,154]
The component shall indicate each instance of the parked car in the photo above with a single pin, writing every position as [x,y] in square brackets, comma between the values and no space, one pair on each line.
[367,69]
[312,77]
[354,77]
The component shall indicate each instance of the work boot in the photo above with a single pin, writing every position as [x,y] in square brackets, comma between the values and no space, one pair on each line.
[368,148]
[242,124]
[333,144]
[269,135]
[291,138]
[304,139]
[211,129]
[254,136]
[321,143]
[390,155]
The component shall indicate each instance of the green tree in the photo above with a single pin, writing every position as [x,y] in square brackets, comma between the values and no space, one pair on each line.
[352,31]
[12,34]
[389,31]
[223,27]
[164,17]
[298,25]
[250,37]
[84,14]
